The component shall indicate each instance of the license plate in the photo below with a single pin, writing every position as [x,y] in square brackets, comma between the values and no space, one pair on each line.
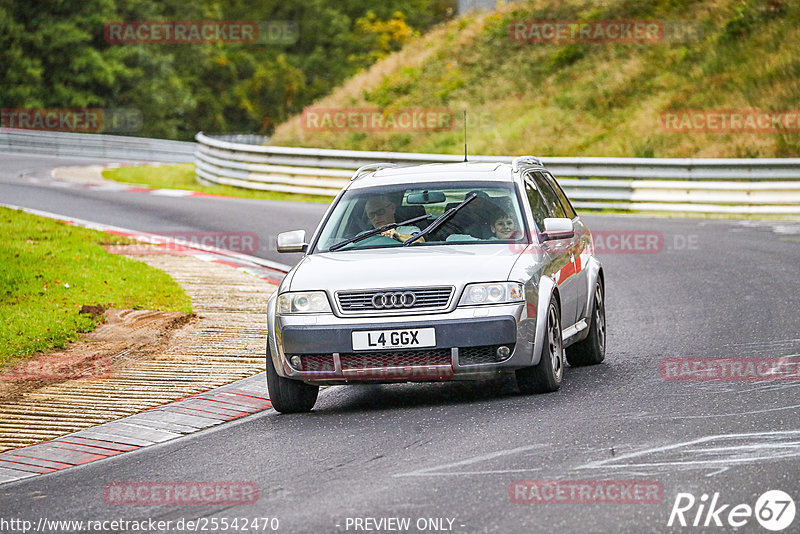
[394,339]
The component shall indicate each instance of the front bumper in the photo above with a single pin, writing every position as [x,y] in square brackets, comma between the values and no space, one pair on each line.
[466,346]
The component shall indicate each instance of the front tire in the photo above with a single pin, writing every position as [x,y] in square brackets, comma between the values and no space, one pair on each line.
[592,350]
[288,396]
[546,376]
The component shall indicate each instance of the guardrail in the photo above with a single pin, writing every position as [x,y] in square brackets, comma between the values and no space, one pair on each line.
[749,186]
[95,145]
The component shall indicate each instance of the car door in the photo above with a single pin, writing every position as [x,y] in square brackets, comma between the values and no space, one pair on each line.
[561,266]
[580,245]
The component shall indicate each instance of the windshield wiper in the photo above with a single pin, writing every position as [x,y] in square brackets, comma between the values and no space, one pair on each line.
[441,219]
[374,231]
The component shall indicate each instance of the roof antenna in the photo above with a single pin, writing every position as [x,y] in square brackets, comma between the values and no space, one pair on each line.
[465,135]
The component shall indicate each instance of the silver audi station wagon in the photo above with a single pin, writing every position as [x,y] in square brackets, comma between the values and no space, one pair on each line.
[453,271]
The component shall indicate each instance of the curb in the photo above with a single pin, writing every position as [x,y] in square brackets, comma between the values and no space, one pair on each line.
[158,425]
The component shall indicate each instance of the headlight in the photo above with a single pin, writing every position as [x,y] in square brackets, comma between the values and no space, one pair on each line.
[496,293]
[303,302]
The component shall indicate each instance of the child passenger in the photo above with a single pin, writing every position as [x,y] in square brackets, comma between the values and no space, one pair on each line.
[503,227]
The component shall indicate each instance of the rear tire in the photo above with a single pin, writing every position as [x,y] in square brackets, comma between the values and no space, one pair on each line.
[546,376]
[592,350]
[288,396]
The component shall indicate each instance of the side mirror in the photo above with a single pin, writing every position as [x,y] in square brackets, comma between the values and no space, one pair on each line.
[294,241]
[560,228]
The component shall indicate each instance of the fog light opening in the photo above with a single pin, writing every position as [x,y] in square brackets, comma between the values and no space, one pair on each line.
[503,352]
[296,362]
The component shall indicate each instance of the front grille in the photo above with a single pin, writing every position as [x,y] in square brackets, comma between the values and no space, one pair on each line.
[479,355]
[315,362]
[425,297]
[400,358]
[355,361]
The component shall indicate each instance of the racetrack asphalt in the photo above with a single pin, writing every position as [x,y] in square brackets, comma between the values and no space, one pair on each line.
[715,289]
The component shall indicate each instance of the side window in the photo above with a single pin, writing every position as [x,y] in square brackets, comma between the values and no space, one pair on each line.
[538,206]
[553,204]
[561,196]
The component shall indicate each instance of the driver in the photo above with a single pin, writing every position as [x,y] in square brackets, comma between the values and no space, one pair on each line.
[380,211]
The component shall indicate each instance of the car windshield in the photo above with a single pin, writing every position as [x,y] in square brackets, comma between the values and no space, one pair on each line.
[493,216]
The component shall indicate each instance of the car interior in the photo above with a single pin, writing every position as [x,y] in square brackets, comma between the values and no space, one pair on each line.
[472,223]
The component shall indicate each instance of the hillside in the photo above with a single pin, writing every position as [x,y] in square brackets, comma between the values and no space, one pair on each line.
[585,98]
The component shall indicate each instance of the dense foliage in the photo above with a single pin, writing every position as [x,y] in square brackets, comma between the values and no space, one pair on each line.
[53,54]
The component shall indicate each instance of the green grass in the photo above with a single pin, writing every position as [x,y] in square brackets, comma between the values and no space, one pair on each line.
[182,176]
[49,270]
[689,214]
[583,99]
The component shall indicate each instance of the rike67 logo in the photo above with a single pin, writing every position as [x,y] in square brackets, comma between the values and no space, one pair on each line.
[774,510]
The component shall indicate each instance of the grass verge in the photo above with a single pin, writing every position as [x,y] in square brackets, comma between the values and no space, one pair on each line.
[689,214]
[182,176]
[686,214]
[49,270]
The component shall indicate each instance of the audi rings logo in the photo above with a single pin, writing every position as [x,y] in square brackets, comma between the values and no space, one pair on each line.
[394,300]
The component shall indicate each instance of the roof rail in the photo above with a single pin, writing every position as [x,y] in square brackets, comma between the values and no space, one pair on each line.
[371,167]
[525,161]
